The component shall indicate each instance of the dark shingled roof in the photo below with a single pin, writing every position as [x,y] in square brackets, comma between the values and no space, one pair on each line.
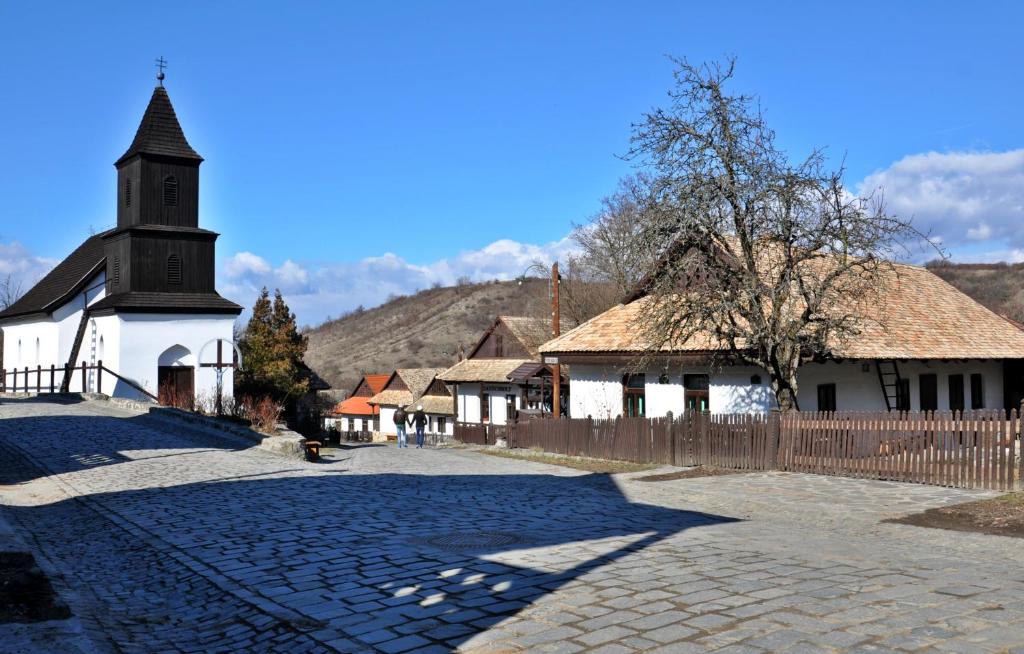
[148,302]
[64,281]
[159,132]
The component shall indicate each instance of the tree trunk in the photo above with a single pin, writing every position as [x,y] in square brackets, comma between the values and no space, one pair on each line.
[784,386]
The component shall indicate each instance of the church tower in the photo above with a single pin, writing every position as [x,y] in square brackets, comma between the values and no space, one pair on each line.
[158,258]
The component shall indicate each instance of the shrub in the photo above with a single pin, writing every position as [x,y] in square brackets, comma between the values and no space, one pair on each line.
[264,413]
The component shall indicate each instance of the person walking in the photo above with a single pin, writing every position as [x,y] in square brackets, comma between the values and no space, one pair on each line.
[419,420]
[400,417]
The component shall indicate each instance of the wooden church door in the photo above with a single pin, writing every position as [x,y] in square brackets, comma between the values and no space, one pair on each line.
[176,387]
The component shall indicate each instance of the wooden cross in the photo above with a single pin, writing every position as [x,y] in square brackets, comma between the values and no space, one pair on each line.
[219,367]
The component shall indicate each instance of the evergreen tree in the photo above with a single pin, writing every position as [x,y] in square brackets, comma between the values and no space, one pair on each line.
[272,351]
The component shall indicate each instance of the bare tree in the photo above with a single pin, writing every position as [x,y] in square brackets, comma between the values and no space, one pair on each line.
[10,291]
[771,263]
[615,252]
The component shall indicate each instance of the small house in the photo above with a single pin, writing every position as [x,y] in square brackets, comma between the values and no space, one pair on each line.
[926,347]
[355,413]
[502,373]
[409,388]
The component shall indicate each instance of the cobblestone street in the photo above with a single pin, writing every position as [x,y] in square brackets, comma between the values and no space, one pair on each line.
[172,539]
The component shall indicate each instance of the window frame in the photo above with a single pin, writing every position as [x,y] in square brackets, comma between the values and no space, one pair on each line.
[634,397]
[928,389]
[903,394]
[174,269]
[827,397]
[977,391]
[956,403]
[170,191]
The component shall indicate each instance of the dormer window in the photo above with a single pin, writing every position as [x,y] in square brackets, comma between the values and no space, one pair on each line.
[174,269]
[128,192]
[170,191]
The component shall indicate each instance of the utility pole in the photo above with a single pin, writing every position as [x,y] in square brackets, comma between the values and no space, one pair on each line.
[556,331]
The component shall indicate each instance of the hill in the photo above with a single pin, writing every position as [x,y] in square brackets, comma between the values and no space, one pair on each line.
[998,286]
[430,328]
[426,329]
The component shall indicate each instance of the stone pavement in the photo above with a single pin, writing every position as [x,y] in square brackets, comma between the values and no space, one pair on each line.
[178,540]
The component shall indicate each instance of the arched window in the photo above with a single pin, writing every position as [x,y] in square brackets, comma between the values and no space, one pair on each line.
[19,352]
[170,191]
[174,269]
[37,361]
[127,191]
[100,349]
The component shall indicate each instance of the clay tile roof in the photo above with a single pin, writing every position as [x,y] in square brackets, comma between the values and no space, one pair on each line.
[376,382]
[417,381]
[482,370]
[355,406]
[919,316]
[64,281]
[159,132]
[436,404]
[531,332]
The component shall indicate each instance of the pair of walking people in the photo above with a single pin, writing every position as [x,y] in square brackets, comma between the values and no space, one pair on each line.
[417,420]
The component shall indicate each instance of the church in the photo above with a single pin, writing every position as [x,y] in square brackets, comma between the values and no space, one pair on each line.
[133,311]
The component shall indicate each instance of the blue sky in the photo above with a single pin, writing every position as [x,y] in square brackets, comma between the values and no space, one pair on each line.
[355,150]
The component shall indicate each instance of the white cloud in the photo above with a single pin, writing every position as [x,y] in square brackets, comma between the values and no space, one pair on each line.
[317,290]
[962,198]
[23,267]
[245,263]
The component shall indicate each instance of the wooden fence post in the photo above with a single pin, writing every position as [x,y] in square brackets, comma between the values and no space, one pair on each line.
[51,377]
[774,439]
[99,375]
[85,389]
[26,379]
[39,378]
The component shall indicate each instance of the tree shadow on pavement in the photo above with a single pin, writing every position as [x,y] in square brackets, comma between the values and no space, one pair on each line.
[391,561]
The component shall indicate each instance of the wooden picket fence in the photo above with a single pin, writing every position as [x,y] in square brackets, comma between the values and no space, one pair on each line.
[973,449]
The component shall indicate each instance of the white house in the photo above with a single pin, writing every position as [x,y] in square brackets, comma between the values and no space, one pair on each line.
[412,387]
[140,297]
[355,413]
[488,386]
[928,347]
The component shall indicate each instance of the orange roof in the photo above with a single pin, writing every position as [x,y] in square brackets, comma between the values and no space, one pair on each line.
[358,405]
[355,406]
[376,382]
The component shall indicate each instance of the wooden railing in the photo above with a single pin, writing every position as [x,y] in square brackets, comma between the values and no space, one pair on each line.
[974,449]
[48,380]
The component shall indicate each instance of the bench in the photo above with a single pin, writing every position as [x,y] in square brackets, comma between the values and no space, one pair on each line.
[313,450]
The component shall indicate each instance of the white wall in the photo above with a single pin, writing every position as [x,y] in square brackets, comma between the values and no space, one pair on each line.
[55,334]
[859,390]
[595,391]
[732,390]
[142,338]
[468,398]
[387,420]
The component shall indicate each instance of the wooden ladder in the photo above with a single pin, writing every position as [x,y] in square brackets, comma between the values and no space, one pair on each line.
[889,378]
[69,369]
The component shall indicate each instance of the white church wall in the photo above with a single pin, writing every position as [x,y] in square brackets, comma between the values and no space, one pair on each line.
[27,345]
[143,338]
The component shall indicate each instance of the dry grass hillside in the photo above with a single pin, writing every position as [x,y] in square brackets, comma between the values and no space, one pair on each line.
[998,286]
[426,329]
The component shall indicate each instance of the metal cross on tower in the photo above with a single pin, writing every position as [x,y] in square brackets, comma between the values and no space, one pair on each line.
[161,63]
